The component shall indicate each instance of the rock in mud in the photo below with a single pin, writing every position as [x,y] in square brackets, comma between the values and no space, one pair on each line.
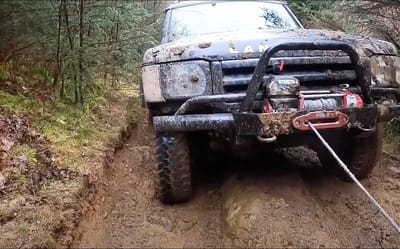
[300,156]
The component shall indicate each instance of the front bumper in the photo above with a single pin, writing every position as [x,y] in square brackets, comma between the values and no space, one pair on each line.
[276,123]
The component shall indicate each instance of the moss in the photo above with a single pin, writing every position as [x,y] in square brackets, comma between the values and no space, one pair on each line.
[4,73]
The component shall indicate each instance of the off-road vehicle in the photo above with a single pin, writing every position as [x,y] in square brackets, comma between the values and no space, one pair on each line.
[246,74]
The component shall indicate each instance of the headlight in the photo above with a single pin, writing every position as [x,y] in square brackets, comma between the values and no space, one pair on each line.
[385,71]
[180,80]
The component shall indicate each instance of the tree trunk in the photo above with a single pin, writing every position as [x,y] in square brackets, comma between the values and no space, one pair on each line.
[62,91]
[71,45]
[58,56]
[81,31]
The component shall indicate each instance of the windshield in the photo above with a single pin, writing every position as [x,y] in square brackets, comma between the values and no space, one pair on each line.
[219,17]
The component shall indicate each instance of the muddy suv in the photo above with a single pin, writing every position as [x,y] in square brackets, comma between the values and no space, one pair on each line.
[246,74]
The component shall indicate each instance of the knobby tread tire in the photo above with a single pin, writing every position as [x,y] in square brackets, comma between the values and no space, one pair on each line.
[173,168]
[360,153]
[366,154]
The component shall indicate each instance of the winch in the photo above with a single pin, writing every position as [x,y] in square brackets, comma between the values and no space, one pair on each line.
[284,94]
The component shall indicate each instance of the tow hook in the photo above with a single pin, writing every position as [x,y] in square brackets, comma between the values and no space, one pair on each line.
[321,120]
[364,131]
[266,139]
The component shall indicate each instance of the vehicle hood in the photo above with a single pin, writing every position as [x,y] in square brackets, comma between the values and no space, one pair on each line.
[242,45]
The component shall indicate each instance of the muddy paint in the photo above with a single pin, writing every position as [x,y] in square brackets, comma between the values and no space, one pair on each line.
[204,45]
[385,71]
[370,60]
[229,45]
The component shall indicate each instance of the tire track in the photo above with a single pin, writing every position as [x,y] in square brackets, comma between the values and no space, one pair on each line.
[264,202]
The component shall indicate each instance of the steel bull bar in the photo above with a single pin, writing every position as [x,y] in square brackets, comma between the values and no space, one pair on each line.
[272,124]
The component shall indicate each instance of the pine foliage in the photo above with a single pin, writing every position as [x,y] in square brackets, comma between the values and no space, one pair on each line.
[78,42]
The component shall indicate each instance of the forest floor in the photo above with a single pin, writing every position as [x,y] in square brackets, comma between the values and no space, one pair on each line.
[83,178]
[52,154]
[239,204]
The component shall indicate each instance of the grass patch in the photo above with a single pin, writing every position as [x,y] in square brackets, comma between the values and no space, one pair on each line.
[19,104]
[4,73]
[26,151]
[73,132]
[392,137]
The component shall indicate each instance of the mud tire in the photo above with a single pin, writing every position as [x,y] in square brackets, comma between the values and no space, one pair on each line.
[360,153]
[173,168]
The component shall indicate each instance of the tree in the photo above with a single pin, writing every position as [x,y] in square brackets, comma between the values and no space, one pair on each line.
[316,13]
[78,42]
[378,17]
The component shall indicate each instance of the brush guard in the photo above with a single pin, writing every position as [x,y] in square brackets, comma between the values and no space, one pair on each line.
[362,68]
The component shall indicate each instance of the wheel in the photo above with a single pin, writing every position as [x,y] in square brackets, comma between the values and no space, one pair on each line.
[173,168]
[360,153]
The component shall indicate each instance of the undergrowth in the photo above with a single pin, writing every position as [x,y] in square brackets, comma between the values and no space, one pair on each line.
[392,136]
[68,127]
[41,202]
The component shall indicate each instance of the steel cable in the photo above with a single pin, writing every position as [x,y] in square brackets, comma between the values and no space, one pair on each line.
[348,172]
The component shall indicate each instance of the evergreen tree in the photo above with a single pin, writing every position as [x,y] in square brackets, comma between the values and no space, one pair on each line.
[78,42]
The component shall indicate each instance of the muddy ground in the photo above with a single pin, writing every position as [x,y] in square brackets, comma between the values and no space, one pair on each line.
[238,204]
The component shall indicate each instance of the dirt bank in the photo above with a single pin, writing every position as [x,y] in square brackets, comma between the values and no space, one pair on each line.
[243,204]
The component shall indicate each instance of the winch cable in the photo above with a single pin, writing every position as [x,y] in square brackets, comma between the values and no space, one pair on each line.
[348,172]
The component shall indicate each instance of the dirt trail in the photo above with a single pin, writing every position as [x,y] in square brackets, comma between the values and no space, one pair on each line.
[248,205]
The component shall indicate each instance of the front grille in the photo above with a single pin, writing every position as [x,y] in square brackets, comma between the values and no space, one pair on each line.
[311,68]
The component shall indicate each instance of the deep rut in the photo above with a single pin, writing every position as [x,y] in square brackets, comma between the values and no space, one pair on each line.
[129,216]
[243,204]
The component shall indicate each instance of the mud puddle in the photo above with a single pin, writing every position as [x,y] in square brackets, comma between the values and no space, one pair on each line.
[243,204]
